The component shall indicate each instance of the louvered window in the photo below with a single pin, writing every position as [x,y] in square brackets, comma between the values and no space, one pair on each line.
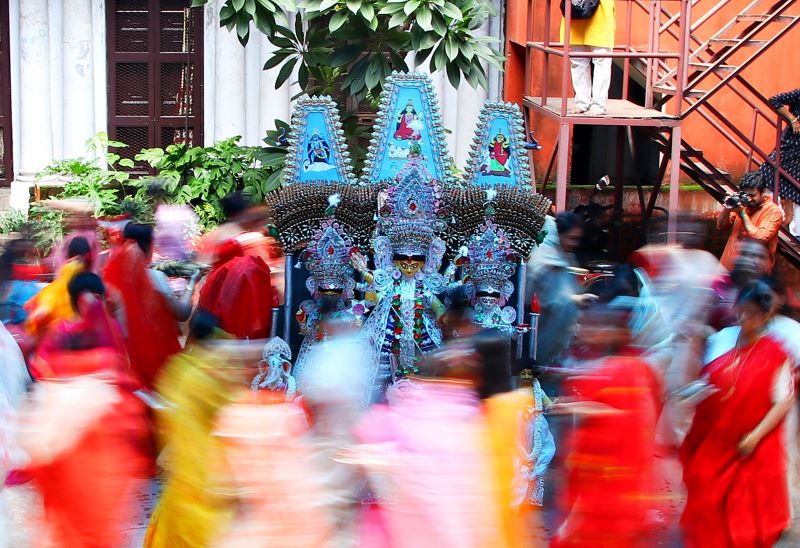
[155,74]
[6,164]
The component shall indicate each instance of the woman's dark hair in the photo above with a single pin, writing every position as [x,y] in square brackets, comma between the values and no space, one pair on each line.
[78,247]
[202,325]
[566,221]
[85,282]
[233,204]
[495,352]
[141,234]
[459,308]
[758,293]
[753,180]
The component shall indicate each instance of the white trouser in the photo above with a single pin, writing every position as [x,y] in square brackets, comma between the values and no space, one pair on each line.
[591,92]
[794,226]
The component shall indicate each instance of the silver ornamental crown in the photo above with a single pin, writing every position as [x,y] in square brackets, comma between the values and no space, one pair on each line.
[490,260]
[327,257]
[410,217]
[277,347]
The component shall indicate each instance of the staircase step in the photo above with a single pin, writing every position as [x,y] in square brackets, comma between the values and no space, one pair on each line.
[762,17]
[737,41]
[668,90]
[720,68]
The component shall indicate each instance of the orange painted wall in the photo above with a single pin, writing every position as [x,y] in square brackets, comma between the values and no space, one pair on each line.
[776,70]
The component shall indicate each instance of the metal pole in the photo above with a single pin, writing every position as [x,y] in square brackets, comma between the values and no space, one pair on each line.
[287,299]
[533,340]
[521,273]
[275,317]
[674,182]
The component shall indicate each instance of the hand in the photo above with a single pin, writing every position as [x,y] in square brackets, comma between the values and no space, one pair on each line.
[748,444]
[796,126]
[359,262]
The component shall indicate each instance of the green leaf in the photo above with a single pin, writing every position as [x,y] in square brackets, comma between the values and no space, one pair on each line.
[346,55]
[439,60]
[454,75]
[302,76]
[199,3]
[298,28]
[337,21]
[397,19]
[353,5]
[428,40]
[424,17]
[243,30]
[373,75]
[411,6]
[467,50]
[273,181]
[438,23]
[373,24]
[367,11]
[285,72]
[450,47]
[390,8]
[237,4]
[250,7]
[126,162]
[325,5]
[274,61]
[452,11]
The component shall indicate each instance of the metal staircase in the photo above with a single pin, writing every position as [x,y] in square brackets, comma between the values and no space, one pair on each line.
[714,64]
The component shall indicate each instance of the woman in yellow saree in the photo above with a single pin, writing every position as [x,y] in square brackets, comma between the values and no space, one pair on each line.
[196,384]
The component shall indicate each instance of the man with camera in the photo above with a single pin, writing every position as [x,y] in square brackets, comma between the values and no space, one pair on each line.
[750,213]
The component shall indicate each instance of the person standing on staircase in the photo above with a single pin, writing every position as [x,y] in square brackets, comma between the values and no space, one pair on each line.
[758,219]
[788,105]
[596,35]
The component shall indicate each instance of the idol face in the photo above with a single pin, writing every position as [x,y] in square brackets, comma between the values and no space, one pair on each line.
[409,266]
[488,301]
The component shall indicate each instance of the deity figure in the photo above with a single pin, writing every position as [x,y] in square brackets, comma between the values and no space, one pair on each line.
[273,369]
[331,285]
[408,255]
[488,263]
[499,153]
[409,125]
[318,153]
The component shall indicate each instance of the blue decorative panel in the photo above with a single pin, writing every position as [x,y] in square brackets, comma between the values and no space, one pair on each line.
[498,156]
[317,150]
[408,128]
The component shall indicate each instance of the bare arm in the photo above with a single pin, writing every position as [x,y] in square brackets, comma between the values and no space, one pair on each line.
[724,219]
[772,419]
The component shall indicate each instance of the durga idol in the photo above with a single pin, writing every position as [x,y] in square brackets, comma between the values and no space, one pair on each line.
[408,255]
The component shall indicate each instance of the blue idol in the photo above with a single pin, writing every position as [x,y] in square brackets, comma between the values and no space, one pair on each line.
[317,151]
[408,130]
[498,156]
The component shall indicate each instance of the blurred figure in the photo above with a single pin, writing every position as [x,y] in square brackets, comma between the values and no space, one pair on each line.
[336,391]
[610,484]
[177,226]
[53,304]
[751,262]
[268,454]
[245,223]
[21,278]
[239,292]
[734,456]
[79,222]
[196,384]
[435,451]
[13,380]
[151,309]
[82,429]
[557,289]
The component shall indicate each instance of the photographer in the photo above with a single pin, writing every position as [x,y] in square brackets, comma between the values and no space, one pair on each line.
[750,213]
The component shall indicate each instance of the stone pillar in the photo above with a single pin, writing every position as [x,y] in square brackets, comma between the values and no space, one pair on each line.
[229,87]
[273,103]
[36,129]
[78,66]
[34,109]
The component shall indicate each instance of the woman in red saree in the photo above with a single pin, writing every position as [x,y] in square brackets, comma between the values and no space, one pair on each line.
[610,462]
[734,460]
[83,429]
[150,316]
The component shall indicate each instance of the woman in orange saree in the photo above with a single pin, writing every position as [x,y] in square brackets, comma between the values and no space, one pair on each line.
[734,459]
[82,429]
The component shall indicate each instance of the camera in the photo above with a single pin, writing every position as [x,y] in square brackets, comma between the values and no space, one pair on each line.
[738,199]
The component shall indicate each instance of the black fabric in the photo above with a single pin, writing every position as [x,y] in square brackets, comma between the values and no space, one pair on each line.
[790,149]
[581,9]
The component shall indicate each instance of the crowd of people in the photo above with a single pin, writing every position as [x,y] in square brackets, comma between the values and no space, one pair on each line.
[149,356]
